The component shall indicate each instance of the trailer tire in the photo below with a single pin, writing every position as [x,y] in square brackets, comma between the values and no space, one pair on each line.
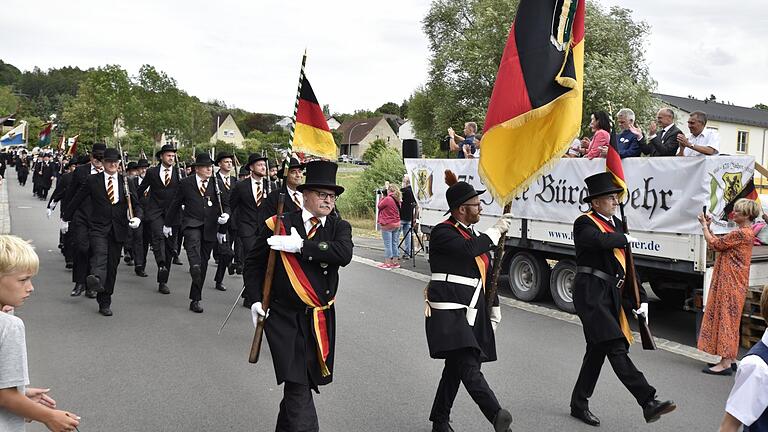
[561,284]
[528,276]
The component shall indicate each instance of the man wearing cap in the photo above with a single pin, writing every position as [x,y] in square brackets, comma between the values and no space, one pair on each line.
[300,324]
[246,198]
[599,240]
[106,194]
[80,222]
[65,239]
[459,324]
[203,223]
[162,181]
[226,182]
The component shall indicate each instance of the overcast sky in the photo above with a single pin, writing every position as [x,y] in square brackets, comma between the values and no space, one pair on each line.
[361,54]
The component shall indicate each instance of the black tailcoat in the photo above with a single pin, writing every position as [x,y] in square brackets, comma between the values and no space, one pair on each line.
[597,302]
[199,210]
[160,195]
[448,330]
[243,203]
[60,191]
[289,327]
[81,212]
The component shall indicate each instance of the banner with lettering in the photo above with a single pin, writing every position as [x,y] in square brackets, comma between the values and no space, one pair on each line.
[665,193]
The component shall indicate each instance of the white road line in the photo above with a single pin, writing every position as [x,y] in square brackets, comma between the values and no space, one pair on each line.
[663,344]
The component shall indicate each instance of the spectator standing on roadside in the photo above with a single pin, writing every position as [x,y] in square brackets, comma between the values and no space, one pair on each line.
[407,207]
[701,141]
[630,139]
[463,146]
[748,402]
[389,220]
[662,142]
[601,127]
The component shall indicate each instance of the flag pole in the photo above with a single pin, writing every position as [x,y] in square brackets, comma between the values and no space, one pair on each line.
[298,95]
[498,257]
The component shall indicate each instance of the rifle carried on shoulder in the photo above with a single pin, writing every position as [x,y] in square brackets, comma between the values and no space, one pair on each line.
[267,286]
[630,277]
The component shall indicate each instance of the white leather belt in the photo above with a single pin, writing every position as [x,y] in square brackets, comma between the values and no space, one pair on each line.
[477,284]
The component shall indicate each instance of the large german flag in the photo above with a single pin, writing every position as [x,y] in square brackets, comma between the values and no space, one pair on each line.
[311,134]
[535,107]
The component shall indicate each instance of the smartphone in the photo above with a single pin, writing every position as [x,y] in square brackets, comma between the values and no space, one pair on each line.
[704,210]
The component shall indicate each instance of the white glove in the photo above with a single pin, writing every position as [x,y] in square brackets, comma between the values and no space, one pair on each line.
[223,219]
[257,313]
[221,238]
[499,228]
[642,310]
[134,222]
[167,231]
[48,212]
[64,227]
[291,244]
[495,317]
[631,239]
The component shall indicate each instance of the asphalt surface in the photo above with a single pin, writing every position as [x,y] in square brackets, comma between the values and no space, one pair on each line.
[156,366]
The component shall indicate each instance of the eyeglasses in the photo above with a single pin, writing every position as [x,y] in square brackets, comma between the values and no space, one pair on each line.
[471,205]
[324,195]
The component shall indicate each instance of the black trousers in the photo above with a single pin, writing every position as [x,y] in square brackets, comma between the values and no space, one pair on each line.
[238,247]
[81,251]
[163,248]
[297,410]
[226,254]
[618,355]
[104,262]
[463,366]
[67,247]
[198,253]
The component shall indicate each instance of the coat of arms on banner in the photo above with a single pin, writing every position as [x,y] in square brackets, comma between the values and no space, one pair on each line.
[421,177]
[726,182]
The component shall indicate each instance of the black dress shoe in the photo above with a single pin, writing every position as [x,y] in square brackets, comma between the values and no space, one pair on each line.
[105,311]
[220,286]
[162,273]
[89,293]
[655,409]
[724,372]
[79,288]
[140,271]
[586,416]
[441,427]
[94,284]
[194,306]
[734,366]
[197,275]
[231,269]
[68,265]
[502,421]
[239,269]
[163,288]
[177,261]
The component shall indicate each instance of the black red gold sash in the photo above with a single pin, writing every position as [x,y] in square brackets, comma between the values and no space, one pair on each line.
[621,257]
[307,294]
[482,261]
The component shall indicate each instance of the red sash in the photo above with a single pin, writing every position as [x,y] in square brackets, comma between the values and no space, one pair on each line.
[482,261]
[307,294]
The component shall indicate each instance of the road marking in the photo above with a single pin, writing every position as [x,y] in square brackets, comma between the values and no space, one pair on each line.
[661,343]
[24,207]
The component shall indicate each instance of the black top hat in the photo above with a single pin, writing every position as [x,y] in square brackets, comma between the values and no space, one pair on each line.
[74,160]
[244,171]
[600,184]
[458,193]
[111,154]
[165,148]
[321,174]
[142,163]
[255,157]
[289,164]
[98,148]
[202,159]
[223,155]
[131,165]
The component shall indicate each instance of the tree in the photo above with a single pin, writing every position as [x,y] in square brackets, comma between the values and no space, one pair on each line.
[9,103]
[9,74]
[467,39]
[389,108]
[761,106]
[374,150]
[162,104]
[359,200]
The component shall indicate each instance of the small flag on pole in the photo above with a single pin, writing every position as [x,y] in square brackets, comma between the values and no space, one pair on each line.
[44,138]
[15,136]
[613,166]
[72,142]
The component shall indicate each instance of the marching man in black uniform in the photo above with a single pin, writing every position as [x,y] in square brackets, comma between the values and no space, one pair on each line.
[110,222]
[162,182]
[142,236]
[301,325]
[203,224]
[291,175]
[599,240]
[65,239]
[46,173]
[459,327]
[226,181]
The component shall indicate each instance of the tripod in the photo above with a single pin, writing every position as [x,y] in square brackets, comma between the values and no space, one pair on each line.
[413,233]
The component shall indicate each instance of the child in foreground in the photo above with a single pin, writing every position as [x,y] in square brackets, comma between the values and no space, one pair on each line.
[18,264]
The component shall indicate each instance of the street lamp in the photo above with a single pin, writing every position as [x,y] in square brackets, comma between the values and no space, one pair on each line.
[349,139]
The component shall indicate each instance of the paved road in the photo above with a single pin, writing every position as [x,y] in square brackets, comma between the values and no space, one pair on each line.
[156,366]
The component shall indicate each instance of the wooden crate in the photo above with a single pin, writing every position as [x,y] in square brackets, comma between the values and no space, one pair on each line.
[752,329]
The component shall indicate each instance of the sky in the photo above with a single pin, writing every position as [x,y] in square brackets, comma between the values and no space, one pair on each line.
[361,53]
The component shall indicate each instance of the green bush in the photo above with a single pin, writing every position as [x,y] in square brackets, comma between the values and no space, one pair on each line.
[374,150]
[360,199]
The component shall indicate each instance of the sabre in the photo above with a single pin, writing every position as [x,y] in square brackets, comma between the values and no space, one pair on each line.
[234,305]
[125,180]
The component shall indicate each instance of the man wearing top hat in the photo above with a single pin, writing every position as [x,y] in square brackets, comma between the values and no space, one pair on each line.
[313,244]
[459,325]
[162,181]
[291,176]
[226,181]
[106,194]
[203,223]
[143,235]
[599,240]
[130,173]
[237,261]
[80,222]
[65,239]
[246,198]
[46,171]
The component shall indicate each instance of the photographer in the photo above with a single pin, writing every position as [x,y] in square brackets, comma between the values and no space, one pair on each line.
[463,146]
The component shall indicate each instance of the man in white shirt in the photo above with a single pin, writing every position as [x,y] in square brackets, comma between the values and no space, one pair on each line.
[701,141]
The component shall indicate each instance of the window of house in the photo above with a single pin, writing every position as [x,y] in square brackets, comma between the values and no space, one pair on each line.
[742,139]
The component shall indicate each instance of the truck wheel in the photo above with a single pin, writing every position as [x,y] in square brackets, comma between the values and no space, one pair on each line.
[561,284]
[528,276]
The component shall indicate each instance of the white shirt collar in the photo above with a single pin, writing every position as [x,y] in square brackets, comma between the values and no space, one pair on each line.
[609,219]
[200,180]
[306,216]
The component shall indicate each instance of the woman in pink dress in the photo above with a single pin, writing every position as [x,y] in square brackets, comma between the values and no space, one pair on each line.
[601,137]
